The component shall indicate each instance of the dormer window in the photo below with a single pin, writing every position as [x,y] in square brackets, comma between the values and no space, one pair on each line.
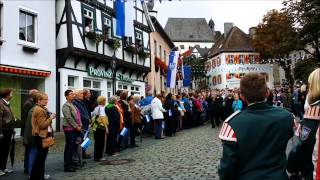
[107,28]
[88,20]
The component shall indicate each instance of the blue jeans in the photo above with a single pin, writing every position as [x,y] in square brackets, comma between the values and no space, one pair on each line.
[158,128]
[26,158]
[32,157]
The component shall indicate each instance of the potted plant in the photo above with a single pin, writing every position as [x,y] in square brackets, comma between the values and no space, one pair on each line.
[142,53]
[95,36]
[113,43]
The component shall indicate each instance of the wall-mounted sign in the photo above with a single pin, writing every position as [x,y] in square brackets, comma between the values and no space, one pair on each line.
[121,77]
[106,74]
[99,73]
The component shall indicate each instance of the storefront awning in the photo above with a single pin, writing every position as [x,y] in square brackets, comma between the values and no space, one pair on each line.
[24,71]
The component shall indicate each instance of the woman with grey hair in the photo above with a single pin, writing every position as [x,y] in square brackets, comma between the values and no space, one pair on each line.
[114,125]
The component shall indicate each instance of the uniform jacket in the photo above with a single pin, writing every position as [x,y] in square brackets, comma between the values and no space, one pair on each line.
[157,109]
[40,121]
[254,143]
[304,156]
[6,116]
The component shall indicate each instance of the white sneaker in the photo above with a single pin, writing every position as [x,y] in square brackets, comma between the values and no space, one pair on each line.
[8,171]
[46,176]
[2,173]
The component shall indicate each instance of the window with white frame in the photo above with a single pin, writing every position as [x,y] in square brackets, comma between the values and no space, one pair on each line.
[181,46]
[107,27]
[92,85]
[27,26]
[123,87]
[139,39]
[71,82]
[88,20]
[135,90]
[109,89]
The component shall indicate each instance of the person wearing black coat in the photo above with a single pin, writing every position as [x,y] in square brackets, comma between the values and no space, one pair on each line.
[218,100]
[114,125]
[228,102]
[169,115]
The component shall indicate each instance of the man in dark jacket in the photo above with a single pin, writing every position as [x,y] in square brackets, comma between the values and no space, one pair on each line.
[29,103]
[85,118]
[113,127]
[254,140]
[126,117]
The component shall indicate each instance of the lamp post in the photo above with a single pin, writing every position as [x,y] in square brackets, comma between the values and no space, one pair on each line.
[113,69]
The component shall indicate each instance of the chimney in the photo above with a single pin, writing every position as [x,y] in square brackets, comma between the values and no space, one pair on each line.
[252,32]
[227,27]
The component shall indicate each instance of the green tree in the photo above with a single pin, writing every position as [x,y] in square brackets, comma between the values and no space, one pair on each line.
[306,16]
[303,69]
[275,38]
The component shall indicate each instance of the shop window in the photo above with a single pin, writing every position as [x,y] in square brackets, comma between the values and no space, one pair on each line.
[109,85]
[27,28]
[109,89]
[107,28]
[182,47]
[94,86]
[132,88]
[135,90]
[88,20]
[87,83]
[71,82]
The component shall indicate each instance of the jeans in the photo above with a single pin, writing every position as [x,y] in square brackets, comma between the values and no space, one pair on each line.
[158,127]
[70,147]
[27,149]
[32,157]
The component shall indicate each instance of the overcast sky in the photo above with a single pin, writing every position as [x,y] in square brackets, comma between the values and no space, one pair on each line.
[243,13]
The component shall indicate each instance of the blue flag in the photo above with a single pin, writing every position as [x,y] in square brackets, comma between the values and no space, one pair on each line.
[120,15]
[187,76]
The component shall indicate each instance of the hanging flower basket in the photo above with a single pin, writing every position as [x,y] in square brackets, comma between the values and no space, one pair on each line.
[160,65]
[95,36]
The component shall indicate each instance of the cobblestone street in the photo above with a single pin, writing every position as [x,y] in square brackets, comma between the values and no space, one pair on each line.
[191,154]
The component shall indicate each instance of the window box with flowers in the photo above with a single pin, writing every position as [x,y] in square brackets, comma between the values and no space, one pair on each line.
[95,36]
[131,48]
[160,65]
[113,43]
[142,53]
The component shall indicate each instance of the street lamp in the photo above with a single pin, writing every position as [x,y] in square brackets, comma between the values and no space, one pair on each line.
[113,69]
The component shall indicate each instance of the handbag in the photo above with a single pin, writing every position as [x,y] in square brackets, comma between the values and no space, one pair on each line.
[47,142]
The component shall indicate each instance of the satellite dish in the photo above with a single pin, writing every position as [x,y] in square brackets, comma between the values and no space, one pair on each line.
[150,5]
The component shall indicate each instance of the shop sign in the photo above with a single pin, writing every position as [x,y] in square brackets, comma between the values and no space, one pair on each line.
[106,74]
[99,73]
[121,77]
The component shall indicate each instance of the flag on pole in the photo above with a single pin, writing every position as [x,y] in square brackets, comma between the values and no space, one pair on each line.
[125,16]
[172,69]
[187,76]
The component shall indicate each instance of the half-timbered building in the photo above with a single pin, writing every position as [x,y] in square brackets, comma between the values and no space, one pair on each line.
[87,46]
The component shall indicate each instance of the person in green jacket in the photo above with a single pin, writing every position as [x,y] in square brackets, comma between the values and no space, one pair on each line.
[254,140]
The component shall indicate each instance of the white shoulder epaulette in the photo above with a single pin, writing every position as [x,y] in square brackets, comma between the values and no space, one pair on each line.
[232,115]
[227,133]
[313,113]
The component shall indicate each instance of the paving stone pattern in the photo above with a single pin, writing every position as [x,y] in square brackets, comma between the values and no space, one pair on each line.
[191,154]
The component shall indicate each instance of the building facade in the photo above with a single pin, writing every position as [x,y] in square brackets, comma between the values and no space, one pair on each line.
[27,50]
[161,46]
[90,54]
[231,58]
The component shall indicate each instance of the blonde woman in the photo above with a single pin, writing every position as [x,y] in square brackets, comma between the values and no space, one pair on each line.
[99,125]
[41,129]
[308,135]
